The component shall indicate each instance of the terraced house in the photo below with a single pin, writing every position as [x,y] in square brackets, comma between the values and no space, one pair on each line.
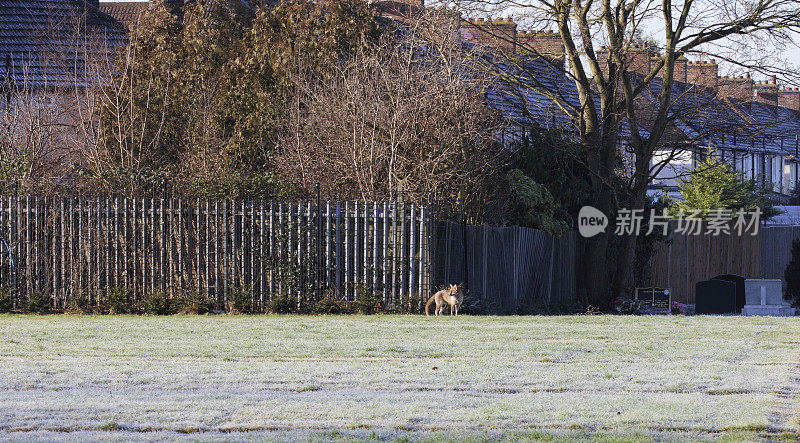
[46,45]
[753,125]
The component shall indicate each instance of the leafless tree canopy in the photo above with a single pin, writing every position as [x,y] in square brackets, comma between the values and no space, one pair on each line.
[405,118]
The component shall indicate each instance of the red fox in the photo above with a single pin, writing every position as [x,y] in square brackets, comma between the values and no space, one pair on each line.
[451,296]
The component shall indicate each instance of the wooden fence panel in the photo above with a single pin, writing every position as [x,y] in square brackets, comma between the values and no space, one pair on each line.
[506,270]
[78,250]
[764,255]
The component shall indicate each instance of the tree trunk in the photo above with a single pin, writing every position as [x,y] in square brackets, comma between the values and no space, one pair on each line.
[593,255]
[593,270]
[626,254]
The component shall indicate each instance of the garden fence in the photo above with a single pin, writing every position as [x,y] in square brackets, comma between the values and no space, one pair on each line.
[64,248]
[688,259]
[507,270]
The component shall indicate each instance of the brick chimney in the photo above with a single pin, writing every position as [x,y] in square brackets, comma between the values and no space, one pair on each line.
[496,33]
[736,88]
[767,91]
[638,59]
[680,69]
[702,74]
[545,43]
[789,98]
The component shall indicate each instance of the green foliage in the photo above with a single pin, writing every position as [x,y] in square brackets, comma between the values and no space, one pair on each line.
[204,96]
[6,300]
[328,306]
[366,301]
[536,205]
[263,185]
[555,162]
[545,161]
[240,301]
[159,303]
[408,304]
[629,307]
[118,301]
[792,276]
[714,184]
[78,304]
[474,304]
[282,305]
[38,303]
[193,302]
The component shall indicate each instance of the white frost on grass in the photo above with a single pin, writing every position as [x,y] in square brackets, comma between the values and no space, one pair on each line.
[280,376]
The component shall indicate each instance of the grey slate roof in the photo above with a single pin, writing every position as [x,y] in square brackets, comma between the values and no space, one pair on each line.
[700,116]
[752,126]
[526,106]
[45,43]
[126,12]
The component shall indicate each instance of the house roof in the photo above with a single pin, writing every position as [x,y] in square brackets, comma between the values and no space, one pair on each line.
[46,43]
[521,103]
[127,13]
[698,115]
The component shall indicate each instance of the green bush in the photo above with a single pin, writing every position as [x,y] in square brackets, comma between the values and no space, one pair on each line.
[473,304]
[118,301]
[38,303]
[78,304]
[630,307]
[159,303]
[282,305]
[6,300]
[328,306]
[366,302]
[408,304]
[240,301]
[193,302]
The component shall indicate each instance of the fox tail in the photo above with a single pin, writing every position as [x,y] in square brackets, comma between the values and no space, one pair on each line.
[428,305]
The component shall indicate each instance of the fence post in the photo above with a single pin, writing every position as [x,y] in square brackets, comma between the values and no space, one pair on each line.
[318,214]
[385,253]
[328,269]
[421,275]
[432,245]
[375,247]
[338,248]
[348,251]
[465,243]
[516,259]
[412,249]
[365,236]
[485,259]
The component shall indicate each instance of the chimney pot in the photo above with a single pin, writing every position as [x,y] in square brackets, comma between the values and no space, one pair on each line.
[773,79]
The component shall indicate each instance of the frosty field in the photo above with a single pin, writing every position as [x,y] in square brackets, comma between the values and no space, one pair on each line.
[387,377]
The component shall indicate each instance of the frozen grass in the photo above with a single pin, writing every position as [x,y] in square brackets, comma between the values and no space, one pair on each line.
[352,377]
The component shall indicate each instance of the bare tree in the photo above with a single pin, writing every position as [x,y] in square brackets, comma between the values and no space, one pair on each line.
[407,117]
[607,115]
